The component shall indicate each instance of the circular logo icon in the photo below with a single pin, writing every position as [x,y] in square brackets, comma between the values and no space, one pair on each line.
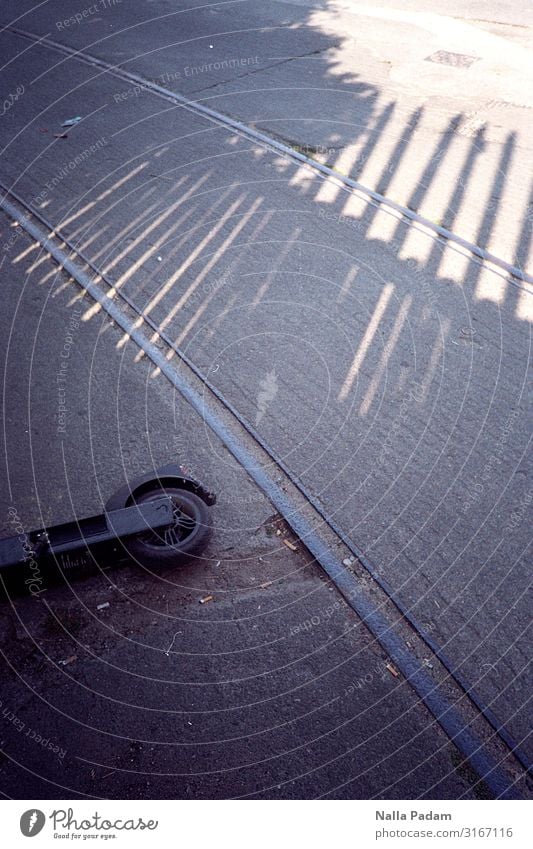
[31,822]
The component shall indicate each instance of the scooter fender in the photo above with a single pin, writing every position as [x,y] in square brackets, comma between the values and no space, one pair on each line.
[170,475]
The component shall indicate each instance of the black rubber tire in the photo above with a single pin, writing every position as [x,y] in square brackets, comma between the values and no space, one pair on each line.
[186,539]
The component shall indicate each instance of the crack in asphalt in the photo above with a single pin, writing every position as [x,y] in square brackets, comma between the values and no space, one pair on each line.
[284,61]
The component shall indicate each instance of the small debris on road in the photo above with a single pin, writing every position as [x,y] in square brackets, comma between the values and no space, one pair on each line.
[161,177]
[290,545]
[206,599]
[172,643]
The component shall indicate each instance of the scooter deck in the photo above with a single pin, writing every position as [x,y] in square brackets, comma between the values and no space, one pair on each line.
[96,537]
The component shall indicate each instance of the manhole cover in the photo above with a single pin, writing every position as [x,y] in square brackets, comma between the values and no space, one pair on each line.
[457,60]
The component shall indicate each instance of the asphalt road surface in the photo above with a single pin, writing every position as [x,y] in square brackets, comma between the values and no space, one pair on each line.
[387,368]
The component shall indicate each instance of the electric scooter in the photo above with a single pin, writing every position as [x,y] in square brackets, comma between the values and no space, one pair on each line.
[159,519]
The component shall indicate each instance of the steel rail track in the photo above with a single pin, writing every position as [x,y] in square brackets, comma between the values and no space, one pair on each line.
[444,712]
[517,276]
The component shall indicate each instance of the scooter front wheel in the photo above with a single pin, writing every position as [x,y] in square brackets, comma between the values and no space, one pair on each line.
[186,538]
